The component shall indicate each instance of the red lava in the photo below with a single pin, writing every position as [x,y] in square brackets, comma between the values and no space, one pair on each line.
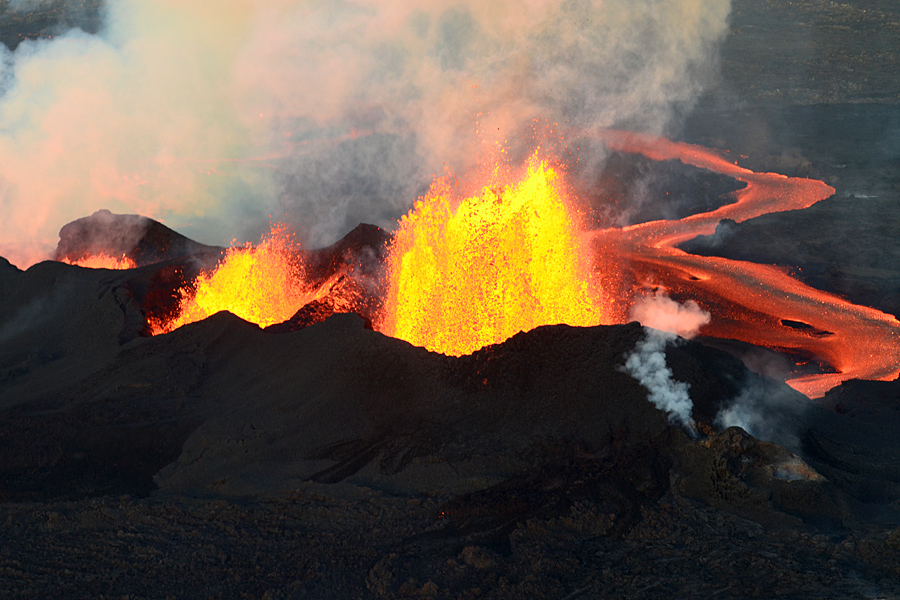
[749,301]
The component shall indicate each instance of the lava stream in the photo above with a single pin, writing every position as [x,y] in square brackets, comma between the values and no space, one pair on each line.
[748,301]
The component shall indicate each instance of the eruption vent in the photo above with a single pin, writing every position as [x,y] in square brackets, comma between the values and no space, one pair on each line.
[465,274]
[264,284]
[103,261]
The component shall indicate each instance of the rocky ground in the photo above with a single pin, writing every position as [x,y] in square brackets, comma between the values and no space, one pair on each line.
[190,465]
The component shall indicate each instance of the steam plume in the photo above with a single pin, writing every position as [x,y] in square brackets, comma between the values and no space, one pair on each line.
[207,114]
[773,417]
[664,320]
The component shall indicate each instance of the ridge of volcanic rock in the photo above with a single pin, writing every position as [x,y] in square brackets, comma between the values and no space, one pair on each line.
[364,248]
[143,240]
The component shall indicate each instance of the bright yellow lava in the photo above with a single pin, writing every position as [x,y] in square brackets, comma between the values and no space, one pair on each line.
[263,284]
[102,261]
[466,274]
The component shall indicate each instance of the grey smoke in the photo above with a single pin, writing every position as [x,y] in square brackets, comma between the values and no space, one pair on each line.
[647,364]
[772,416]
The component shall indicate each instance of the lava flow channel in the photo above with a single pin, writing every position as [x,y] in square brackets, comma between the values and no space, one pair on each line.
[749,301]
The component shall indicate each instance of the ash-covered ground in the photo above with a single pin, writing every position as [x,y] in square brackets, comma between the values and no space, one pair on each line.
[329,461]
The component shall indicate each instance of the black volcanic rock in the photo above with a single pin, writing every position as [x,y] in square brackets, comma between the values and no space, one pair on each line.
[844,245]
[7,267]
[143,240]
[346,295]
[365,249]
[537,458]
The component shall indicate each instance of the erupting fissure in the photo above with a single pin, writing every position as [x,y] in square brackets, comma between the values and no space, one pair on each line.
[102,261]
[472,272]
[264,284]
[464,273]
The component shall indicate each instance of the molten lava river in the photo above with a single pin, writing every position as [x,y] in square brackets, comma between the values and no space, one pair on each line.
[748,301]
[466,272]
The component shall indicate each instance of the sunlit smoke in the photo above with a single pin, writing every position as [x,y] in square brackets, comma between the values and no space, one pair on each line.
[215,115]
[663,314]
[664,321]
[128,119]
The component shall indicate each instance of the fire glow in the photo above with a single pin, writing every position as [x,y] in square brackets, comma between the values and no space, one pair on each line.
[103,261]
[264,284]
[468,273]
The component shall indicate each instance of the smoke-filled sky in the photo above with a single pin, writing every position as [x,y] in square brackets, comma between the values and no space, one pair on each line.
[214,116]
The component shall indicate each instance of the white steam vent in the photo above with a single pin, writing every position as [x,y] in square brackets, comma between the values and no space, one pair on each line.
[664,321]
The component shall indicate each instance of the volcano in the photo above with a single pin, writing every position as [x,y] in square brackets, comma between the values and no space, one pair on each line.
[531,464]
[329,452]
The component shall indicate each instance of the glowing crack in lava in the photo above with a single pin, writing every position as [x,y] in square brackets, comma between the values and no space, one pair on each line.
[102,261]
[263,284]
[472,272]
[748,301]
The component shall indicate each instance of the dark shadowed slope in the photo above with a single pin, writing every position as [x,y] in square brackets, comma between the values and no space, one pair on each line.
[391,463]
[143,240]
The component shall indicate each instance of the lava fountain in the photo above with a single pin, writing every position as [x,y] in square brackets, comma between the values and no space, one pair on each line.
[465,273]
[264,284]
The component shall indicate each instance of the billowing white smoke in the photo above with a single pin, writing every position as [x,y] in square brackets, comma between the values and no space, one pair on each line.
[664,321]
[212,114]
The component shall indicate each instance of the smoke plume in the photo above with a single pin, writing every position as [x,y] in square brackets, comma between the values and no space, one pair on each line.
[768,416]
[664,321]
[216,116]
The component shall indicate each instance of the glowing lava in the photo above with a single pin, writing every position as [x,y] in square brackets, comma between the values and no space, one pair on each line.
[465,273]
[748,301]
[263,284]
[472,272]
[103,261]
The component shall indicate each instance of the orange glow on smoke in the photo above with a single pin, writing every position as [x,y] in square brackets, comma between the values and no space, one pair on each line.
[263,284]
[468,273]
[103,261]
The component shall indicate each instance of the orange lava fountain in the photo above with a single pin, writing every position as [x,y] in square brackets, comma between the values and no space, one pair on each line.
[103,261]
[472,272]
[264,284]
[748,301]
